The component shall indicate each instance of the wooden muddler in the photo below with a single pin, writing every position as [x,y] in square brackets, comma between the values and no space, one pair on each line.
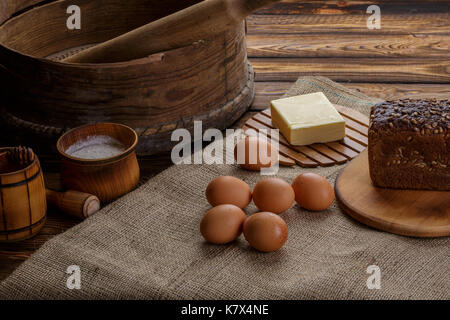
[200,21]
[74,203]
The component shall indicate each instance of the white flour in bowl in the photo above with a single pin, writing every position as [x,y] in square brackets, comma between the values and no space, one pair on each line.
[96,147]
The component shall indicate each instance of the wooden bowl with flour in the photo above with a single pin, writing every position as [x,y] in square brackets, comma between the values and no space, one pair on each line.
[99,159]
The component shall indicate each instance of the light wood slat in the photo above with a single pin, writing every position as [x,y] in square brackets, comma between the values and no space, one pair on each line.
[345,142]
[299,158]
[310,153]
[352,134]
[353,115]
[342,149]
[353,144]
[267,113]
[330,153]
[285,160]
[348,45]
[355,70]
[268,91]
[418,23]
[364,130]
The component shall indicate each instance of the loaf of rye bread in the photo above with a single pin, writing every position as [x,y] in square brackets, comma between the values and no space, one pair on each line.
[409,145]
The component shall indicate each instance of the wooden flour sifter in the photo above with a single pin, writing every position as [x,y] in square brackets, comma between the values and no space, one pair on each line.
[189,63]
[200,21]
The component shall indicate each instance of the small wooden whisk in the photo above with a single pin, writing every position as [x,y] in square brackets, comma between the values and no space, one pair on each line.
[21,155]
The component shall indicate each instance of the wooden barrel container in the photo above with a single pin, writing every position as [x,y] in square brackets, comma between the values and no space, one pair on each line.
[23,204]
[210,80]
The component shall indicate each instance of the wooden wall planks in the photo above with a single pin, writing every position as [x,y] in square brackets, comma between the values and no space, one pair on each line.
[354,7]
[349,45]
[267,91]
[412,46]
[422,23]
[354,70]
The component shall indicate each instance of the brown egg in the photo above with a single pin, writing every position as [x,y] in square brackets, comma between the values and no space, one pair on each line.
[313,192]
[273,195]
[253,153]
[265,231]
[222,224]
[228,190]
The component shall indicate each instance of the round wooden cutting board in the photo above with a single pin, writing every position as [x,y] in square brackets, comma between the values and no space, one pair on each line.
[318,154]
[417,213]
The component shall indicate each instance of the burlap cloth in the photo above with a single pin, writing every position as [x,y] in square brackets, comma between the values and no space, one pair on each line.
[148,245]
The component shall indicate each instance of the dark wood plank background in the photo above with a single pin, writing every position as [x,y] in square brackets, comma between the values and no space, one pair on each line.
[407,57]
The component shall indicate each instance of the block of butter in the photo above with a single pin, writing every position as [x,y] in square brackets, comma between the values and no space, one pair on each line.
[307,119]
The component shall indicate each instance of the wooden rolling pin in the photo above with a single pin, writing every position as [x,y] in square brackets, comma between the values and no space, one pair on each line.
[200,21]
[74,203]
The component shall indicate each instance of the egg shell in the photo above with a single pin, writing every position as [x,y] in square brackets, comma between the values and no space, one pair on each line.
[254,153]
[228,190]
[222,224]
[313,192]
[265,231]
[273,195]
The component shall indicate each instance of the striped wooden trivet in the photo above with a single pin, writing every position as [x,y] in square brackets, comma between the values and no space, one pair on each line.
[319,154]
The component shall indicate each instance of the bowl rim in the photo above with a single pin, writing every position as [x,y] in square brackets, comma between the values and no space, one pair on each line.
[112,159]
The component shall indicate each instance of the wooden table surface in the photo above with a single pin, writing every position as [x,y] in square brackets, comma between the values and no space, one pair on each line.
[408,57]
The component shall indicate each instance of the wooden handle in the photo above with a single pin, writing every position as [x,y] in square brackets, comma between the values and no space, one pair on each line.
[74,203]
[200,21]
[21,155]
